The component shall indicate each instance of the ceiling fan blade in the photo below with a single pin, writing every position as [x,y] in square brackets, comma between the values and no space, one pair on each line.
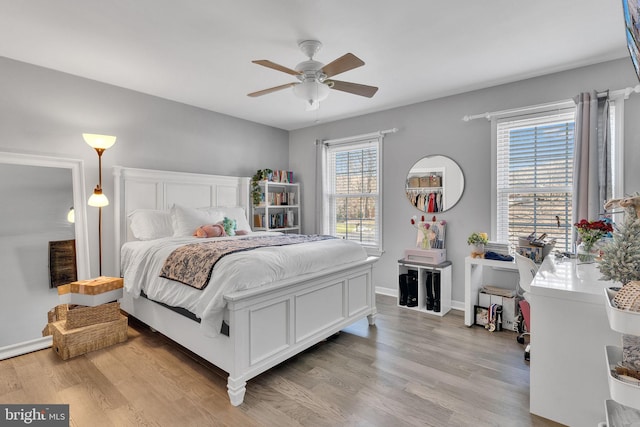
[271,89]
[277,67]
[346,62]
[354,88]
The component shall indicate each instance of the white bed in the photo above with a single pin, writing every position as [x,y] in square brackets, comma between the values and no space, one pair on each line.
[268,323]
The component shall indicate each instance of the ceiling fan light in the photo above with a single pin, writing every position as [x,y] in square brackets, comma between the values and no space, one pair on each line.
[311,92]
[312,105]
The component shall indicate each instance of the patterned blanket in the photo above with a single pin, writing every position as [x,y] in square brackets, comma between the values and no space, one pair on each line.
[192,264]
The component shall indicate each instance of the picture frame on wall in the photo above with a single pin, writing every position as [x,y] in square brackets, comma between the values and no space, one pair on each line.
[631,9]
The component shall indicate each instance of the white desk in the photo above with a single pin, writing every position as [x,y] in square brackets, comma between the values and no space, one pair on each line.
[474,277]
[569,329]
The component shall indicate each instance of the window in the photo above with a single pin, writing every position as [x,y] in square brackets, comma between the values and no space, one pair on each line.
[352,194]
[534,176]
[532,168]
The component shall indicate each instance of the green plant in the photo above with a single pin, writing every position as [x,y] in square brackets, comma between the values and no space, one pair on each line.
[256,192]
[621,257]
[477,238]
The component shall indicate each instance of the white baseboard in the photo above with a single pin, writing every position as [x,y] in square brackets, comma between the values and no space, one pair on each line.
[387,291]
[25,347]
[457,305]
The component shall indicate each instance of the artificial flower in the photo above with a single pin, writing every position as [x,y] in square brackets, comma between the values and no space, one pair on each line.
[592,231]
[478,238]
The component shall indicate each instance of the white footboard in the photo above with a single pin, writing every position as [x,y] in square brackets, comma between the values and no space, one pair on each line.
[270,327]
[272,323]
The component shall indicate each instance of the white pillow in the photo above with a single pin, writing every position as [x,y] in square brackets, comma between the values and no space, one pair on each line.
[186,220]
[149,224]
[236,212]
[240,216]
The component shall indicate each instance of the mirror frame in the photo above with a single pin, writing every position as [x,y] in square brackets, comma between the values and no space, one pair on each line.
[81,235]
[461,178]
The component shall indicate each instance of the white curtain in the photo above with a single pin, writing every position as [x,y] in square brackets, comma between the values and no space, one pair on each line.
[592,163]
[320,192]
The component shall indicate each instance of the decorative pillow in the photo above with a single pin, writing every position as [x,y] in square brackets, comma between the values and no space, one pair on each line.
[150,224]
[186,220]
[236,212]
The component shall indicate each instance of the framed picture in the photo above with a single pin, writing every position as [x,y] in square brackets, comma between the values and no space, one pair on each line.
[480,315]
[62,263]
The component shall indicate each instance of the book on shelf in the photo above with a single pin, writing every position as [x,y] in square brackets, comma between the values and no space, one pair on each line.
[290,219]
[285,177]
[280,220]
[282,199]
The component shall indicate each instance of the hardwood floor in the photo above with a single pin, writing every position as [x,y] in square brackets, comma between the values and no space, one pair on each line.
[410,369]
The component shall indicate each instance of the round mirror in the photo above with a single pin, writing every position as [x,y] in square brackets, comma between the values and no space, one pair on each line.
[434,184]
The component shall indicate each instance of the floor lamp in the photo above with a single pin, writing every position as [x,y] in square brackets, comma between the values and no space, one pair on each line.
[97,199]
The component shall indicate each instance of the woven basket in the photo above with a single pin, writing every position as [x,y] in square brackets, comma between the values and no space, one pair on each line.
[435,181]
[79,316]
[59,312]
[628,298]
[69,343]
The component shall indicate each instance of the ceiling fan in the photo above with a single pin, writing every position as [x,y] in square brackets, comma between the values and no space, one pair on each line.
[315,77]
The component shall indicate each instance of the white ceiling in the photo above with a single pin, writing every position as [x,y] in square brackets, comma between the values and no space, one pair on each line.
[199,52]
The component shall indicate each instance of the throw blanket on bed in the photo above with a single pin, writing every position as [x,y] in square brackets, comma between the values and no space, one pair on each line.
[192,264]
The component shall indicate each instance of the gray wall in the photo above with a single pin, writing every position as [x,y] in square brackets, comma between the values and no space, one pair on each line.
[436,127]
[45,112]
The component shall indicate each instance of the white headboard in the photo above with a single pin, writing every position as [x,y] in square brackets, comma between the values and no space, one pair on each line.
[155,189]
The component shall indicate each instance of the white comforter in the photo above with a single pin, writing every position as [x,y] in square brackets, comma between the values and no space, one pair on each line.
[143,260]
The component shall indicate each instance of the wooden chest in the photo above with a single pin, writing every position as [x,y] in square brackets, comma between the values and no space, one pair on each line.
[69,343]
[91,292]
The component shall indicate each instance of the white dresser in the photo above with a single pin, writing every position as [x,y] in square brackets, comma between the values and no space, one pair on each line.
[569,331]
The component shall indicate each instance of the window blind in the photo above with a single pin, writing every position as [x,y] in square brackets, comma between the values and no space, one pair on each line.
[353,175]
[534,176]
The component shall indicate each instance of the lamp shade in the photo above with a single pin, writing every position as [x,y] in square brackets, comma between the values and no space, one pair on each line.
[99,141]
[311,92]
[98,199]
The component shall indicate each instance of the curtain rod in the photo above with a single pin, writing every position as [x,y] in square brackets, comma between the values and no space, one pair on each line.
[626,92]
[358,137]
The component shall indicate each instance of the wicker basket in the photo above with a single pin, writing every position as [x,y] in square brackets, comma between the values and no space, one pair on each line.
[435,181]
[79,316]
[414,182]
[59,312]
[628,298]
[69,343]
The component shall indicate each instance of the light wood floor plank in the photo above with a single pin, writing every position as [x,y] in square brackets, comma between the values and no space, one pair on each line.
[411,369]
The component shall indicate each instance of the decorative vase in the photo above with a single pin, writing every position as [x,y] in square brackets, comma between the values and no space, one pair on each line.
[477,250]
[587,253]
[425,243]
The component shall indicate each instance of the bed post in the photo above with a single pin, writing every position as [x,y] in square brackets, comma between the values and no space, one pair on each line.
[239,337]
[371,318]
[236,390]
